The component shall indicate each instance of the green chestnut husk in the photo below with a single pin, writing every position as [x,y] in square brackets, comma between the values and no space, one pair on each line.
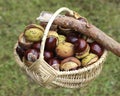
[83,54]
[33,33]
[61,38]
[90,59]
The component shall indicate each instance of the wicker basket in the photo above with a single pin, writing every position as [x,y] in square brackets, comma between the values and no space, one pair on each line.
[46,76]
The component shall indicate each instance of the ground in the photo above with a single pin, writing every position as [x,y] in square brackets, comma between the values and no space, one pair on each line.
[16,14]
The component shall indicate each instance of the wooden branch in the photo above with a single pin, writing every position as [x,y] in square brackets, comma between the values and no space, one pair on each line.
[92,31]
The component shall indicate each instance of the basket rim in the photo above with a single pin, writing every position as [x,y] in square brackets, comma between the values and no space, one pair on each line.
[80,70]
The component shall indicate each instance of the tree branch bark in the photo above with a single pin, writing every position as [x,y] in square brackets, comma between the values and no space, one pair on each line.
[92,31]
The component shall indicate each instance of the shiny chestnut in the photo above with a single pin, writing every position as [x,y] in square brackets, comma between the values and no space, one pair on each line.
[80,45]
[53,61]
[31,55]
[51,43]
[48,55]
[72,37]
[20,52]
[36,46]
[96,48]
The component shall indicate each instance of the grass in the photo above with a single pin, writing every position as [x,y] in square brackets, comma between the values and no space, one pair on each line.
[16,14]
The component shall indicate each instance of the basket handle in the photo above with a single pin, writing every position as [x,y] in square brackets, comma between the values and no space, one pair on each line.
[48,28]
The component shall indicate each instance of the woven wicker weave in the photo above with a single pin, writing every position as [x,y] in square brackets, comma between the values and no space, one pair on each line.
[46,76]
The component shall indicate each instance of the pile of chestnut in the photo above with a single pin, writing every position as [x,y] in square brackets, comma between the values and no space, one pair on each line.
[65,49]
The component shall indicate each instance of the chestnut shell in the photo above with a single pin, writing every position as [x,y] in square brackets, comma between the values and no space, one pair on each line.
[64,50]
[23,43]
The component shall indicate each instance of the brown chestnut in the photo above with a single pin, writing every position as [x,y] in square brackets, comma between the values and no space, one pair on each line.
[31,55]
[72,37]
[80,45]
[96,49]
[20,52]
[51,43]
[54,62]
[36,46]
[83,54]
[48,55]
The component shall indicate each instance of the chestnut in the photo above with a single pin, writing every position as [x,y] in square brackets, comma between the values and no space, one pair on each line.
[36,46]
[96,49]
[72,37]
[65,49]
[48,55]
[80,45]
[83,54]
[70,63]
[72,59]
[51,43]
[31,55]
[54,62]
[20,52]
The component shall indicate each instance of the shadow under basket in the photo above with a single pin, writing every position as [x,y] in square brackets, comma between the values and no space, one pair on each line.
[46,76]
